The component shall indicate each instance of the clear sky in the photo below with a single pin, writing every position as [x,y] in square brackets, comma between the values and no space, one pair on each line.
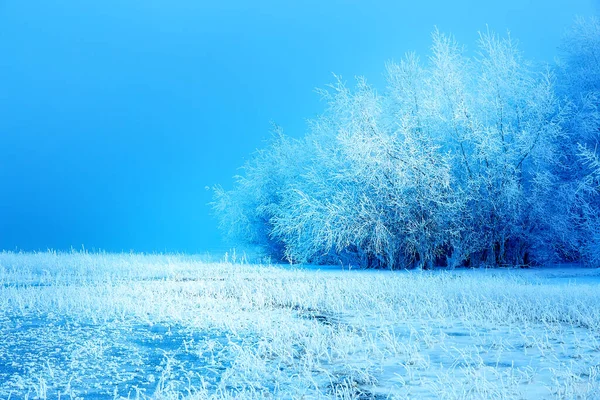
[116,114]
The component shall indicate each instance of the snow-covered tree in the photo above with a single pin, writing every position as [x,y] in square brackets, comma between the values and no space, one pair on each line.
[579,73]
[459,161]
[246,211]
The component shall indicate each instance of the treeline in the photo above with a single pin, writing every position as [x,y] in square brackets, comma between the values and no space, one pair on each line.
[482,160]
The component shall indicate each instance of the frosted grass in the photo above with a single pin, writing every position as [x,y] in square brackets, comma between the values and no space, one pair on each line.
[108,326]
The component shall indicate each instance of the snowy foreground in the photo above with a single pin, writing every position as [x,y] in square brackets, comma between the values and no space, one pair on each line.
[134,326]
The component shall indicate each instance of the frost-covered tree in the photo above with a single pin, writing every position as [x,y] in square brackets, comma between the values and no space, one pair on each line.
[579,73]
[459,161]
[337,210]
[245,213]
[497,120]
[373,192]
[517,128]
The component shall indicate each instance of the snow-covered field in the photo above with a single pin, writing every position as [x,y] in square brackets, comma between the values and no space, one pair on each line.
[105,326]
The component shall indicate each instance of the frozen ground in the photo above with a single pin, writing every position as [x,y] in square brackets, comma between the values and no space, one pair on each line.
[133,326]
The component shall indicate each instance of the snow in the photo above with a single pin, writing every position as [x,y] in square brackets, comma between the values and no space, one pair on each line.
[99,326]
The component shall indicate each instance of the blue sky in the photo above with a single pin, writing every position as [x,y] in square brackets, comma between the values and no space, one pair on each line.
[115,115]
